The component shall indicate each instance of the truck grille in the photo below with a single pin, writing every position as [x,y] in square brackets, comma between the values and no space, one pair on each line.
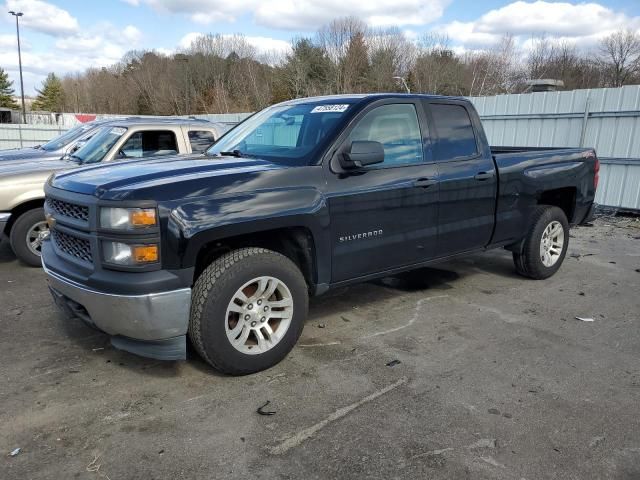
[76,247]
[66,209]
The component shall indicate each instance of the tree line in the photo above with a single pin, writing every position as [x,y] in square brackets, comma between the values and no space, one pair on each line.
[219,73]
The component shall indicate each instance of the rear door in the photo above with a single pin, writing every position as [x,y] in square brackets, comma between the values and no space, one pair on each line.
[384,215]
[467,178]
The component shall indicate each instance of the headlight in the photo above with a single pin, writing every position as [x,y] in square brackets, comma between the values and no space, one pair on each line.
[128,218]
[125,254]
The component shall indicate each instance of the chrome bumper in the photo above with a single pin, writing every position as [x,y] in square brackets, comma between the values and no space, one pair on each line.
[155,316]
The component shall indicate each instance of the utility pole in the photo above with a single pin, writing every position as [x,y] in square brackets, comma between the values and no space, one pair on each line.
[24,110]
[187,93]
[404,82]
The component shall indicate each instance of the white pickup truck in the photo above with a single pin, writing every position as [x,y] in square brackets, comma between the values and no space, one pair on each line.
[22,181]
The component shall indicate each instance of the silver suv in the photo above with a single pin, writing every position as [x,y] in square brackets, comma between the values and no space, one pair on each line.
[21,181]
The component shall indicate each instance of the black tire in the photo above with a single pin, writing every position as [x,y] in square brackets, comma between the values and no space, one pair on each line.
[18,236]
[212,293]
[529,262]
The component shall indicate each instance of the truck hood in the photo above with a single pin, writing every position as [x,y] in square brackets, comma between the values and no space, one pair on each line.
[27,154]
[122,177]
[27,166]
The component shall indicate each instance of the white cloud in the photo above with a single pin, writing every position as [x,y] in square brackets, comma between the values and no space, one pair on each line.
[306,14]
[267,45]
[44,17]
[262,45]
[8,41]
[97,46]
[310,14]
[131,34]
[186,41]
[581,23]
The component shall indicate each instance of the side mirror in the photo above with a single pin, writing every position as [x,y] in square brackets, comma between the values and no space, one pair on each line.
[362,153]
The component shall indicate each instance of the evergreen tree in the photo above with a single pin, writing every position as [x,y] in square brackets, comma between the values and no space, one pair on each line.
[6,92]
[354,66]
[51,97]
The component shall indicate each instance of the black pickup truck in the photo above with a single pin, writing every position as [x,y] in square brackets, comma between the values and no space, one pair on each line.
[304,196]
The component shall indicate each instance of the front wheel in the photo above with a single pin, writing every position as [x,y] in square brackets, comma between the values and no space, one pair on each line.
[545,245]
[27,235]
[248,310]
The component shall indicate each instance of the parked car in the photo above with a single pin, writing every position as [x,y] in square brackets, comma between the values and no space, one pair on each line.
[22,181]
[304,196]
[61,145]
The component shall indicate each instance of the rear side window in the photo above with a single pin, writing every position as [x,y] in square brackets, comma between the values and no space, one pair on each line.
[455,132]
[201,140]
[396,128]
[150,144]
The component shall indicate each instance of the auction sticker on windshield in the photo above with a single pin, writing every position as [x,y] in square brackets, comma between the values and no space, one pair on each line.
[330,108]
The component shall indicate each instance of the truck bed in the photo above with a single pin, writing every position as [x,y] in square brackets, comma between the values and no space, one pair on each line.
[500,150]
[524,172]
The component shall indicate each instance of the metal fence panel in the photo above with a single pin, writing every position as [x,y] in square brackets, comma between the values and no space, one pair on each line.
[18,136]
[607,119]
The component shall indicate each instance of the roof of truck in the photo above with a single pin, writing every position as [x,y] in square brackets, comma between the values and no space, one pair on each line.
[357,98]
[156,120]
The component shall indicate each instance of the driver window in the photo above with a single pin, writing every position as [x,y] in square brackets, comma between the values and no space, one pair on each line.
[150,144]
[396,127]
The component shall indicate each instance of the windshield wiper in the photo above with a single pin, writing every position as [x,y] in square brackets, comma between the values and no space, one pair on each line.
[232,153]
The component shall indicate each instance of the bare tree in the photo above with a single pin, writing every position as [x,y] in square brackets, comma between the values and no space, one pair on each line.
[390,55]
[496,70]
[437,69]
[620,57]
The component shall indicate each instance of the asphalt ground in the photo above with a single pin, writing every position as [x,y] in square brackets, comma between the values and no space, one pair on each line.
[461,371]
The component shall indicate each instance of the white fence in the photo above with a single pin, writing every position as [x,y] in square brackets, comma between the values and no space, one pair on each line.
[607,119]
[18,136]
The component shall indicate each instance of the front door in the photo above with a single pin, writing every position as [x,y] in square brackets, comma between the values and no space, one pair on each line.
[384,215]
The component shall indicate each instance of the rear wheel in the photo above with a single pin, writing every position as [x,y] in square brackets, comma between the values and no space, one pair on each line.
[248,310]
[545,245]
[27,234]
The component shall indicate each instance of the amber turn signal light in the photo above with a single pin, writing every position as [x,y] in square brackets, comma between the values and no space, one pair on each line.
[143,217]
[145,253]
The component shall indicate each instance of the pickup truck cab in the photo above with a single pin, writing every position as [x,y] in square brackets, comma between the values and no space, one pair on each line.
[302,197]
[22,180]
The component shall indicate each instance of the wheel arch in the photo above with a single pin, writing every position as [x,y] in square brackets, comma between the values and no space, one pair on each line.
[564,198]
[294,242]
[21,208]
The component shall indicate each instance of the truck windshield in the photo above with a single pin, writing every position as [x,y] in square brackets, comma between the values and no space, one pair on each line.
[286,134]
[66,138]
[97,148]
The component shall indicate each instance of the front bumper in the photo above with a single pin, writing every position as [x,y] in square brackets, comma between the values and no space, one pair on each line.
[152,325]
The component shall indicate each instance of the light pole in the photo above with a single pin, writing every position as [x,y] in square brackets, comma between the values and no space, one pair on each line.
[404,82]
[24,111]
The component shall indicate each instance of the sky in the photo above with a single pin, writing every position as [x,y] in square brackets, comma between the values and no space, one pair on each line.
[71,35]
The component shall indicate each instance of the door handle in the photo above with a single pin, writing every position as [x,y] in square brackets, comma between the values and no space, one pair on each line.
[483,176]
[424,182]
